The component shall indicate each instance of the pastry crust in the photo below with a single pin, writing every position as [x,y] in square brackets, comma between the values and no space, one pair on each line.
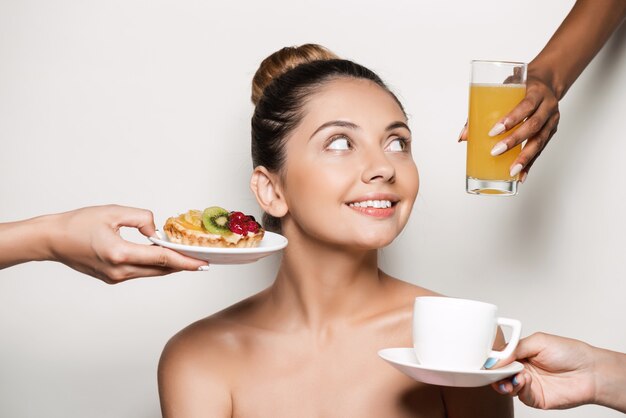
[178,232]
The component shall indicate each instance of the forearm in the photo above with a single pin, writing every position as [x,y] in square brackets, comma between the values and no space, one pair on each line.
[579,38]
[24,241]
[610,375]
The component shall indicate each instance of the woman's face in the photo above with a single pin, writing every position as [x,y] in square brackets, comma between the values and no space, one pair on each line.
[349,176]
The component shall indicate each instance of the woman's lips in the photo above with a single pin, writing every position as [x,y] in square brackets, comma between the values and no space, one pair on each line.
[379,208]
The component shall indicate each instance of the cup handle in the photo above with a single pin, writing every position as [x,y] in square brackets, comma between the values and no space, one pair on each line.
[516,326]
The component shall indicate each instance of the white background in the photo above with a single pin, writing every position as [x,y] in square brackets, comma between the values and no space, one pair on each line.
[146,103]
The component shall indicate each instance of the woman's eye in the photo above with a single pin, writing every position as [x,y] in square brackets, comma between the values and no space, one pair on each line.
[397,145]
[339,143]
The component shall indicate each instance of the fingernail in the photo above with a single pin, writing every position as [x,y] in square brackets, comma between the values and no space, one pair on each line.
[516,169]
[503,388]
[497,129]
[461,134]
[522,178]
[490,363]
[515,381]
[203,268]
[498,149]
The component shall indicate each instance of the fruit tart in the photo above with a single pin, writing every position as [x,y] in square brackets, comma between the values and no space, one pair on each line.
[214,227]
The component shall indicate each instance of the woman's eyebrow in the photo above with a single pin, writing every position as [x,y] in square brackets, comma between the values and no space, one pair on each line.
[398,124]
[340,123]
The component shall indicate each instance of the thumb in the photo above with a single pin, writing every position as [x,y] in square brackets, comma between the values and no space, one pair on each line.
[463,134]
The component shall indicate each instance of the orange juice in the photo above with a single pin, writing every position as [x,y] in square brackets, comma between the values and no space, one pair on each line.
[488,104]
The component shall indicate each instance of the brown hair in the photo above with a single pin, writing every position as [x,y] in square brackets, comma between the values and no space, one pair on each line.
[280,88]
[284,60]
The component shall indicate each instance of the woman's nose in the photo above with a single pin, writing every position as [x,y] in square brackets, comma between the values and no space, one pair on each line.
[378,168]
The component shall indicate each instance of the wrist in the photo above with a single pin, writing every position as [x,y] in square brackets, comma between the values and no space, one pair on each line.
[40,237]
[544,72]
[610,379]
[24,241]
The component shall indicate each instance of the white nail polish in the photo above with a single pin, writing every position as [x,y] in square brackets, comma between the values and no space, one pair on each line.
[498,149]
[497,129]
[516,169]
[203,268]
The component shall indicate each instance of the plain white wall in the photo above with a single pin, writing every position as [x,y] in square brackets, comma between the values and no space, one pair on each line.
[146,103]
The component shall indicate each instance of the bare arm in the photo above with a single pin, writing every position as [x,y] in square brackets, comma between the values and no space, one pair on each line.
[610,379]
[88,240]
[582,34]
[575,43]
[24,241]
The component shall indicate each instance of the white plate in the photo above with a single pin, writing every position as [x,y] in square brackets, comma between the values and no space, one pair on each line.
[270,243]
[404,360]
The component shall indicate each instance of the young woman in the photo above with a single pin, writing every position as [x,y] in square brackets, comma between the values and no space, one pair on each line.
[334,173]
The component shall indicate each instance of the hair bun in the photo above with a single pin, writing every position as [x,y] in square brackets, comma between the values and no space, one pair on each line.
[284,60]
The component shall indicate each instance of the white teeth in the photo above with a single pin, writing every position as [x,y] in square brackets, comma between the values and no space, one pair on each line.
[378,204]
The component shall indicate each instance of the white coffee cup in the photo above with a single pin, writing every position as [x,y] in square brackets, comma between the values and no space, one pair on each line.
[458,334]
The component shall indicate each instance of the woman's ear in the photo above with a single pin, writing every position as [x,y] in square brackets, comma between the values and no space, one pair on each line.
[266,188]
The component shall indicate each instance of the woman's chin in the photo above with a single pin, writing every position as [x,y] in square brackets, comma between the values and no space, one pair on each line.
[373,242]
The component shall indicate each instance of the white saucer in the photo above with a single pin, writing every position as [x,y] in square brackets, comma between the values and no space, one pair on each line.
[404,360]
[270,243]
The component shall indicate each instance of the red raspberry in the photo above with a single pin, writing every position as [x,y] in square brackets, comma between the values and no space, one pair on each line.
[236,216]
[237,228]
[252,226]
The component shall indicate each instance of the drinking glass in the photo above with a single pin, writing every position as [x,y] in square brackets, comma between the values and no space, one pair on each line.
[496,87]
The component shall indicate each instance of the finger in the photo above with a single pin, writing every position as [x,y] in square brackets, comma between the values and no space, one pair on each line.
[522,176]
[530,151]
[505,387]
[499,387]
[495,387]
[463,134]
[152,255]
[517,382]
[515,78]
[542,118]
[523,110]
[526,169]
[525,394]
[142,219]
[533,148]
[128,272]
[524,173]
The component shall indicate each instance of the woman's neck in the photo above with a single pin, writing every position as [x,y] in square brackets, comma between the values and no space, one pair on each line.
[320,286]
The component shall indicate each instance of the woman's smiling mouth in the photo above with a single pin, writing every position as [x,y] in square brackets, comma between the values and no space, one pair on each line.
[376,206]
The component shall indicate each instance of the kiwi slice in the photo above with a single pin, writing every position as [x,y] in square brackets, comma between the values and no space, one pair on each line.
[215,220]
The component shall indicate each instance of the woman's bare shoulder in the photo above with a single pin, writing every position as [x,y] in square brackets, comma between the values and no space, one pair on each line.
[199,364]
[396,303]
[224,332]
[406,291]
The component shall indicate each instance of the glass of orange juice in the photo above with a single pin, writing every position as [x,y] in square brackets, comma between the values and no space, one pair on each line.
[496,87]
